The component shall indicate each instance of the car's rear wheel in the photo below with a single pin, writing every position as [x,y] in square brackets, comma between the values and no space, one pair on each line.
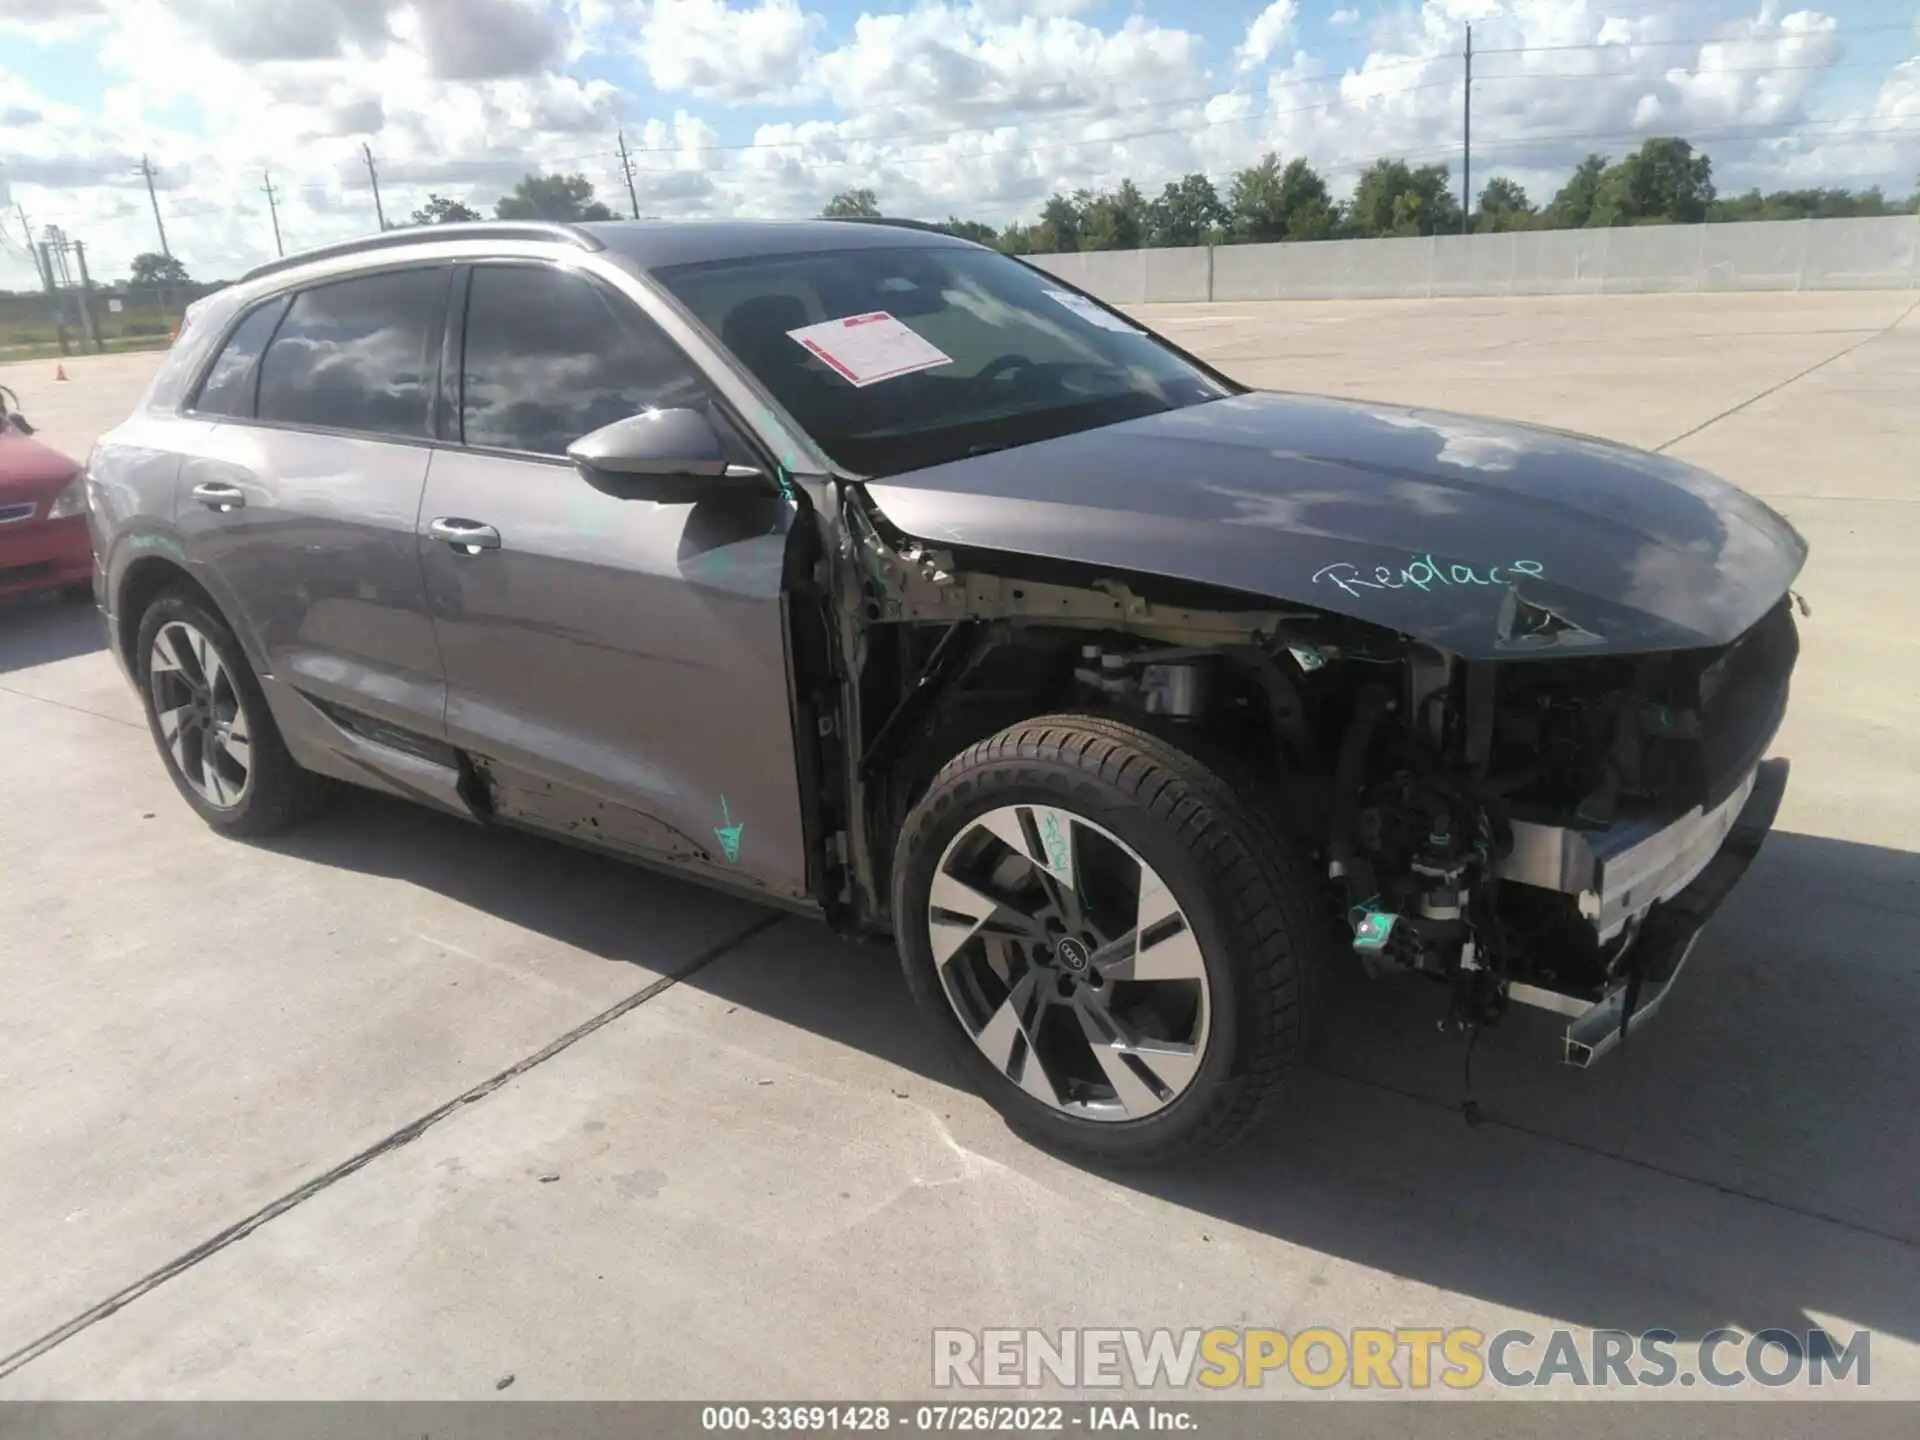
[1120,948]
[211,723]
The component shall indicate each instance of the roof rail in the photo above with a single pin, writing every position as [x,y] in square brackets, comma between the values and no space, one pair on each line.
[428,234]
[927,225]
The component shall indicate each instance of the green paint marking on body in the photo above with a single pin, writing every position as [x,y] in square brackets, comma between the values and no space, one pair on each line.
[1373,930]
[783,467]
[729,834]
[1058,859]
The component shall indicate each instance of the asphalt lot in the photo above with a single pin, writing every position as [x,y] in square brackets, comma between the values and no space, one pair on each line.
[762,1180]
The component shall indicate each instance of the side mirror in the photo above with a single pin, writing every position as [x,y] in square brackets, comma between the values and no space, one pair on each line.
[646,456]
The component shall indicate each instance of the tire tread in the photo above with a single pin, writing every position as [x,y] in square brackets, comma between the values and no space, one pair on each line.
[1264,889]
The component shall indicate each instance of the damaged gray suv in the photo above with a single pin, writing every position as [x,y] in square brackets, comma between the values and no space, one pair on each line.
[884,577]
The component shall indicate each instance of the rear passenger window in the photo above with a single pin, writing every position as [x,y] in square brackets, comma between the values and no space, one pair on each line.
[359,355]
[551,356]
[228,388]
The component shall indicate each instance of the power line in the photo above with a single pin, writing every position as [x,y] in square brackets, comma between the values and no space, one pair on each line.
[1667,76]
[1263,113]
[1777,130]
[1840,33]
[624,155]
[1035,111]
[949,156]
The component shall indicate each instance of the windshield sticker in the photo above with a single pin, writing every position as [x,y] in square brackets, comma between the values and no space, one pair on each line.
[1424,573]
[1092,313]
[866,349]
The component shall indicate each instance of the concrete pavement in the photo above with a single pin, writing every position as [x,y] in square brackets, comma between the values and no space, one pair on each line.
[214,1057]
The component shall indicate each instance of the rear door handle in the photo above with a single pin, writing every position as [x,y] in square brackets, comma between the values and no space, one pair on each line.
[216,496]
[469,537]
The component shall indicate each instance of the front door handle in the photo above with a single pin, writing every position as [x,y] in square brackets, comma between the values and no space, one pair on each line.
[215,496]
[468,537]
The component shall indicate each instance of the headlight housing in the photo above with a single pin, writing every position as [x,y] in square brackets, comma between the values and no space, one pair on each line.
[70,501]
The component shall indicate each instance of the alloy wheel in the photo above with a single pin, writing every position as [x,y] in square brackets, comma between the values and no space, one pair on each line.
[1069,962]
[200,715]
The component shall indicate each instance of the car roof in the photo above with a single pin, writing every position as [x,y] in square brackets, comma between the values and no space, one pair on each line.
[657,244]
[644,244]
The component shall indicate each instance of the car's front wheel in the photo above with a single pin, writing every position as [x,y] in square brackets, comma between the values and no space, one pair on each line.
[1119,946]
[211,722]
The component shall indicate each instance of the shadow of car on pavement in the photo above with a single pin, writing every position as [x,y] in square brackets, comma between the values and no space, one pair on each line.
[40,629]
[1753,1150]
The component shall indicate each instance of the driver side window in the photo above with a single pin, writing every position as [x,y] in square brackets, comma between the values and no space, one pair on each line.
[550,356]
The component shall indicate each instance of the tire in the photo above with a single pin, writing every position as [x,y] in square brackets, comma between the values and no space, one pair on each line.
[266,793]
[1245,899]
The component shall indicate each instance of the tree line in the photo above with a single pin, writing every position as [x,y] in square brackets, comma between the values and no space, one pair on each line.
[1665,182]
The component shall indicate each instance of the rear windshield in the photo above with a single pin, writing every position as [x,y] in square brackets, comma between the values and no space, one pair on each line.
[894,359]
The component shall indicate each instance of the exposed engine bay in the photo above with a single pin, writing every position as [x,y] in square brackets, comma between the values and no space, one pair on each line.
[1534,830]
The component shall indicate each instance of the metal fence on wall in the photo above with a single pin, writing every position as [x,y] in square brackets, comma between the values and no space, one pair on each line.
[123,317]
[1878,253]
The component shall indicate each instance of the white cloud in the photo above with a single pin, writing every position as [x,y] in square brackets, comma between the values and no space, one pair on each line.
[1344,17]
[960,63]
[485,39]
[707,49]
[1268,29]
[251,30]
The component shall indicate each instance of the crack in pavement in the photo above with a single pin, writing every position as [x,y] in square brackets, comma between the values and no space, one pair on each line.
[1879,334]
[406,1134]
[76,709]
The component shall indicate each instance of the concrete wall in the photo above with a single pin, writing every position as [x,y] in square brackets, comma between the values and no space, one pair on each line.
[1882,253]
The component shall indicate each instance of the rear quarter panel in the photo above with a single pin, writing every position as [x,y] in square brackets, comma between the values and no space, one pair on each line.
[133,502]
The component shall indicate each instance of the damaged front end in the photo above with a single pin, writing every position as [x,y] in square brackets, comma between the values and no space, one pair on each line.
[1549,828]
[1555,833]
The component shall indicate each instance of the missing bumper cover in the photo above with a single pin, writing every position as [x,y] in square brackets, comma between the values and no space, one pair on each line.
[1670,931]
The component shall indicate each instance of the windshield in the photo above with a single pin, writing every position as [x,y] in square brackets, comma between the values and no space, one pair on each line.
[894,359]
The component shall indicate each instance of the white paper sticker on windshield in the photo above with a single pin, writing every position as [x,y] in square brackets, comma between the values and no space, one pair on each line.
[866,349]
[1092,313]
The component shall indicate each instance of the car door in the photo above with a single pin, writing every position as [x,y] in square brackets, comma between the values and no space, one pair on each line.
[298,499]
[616,667]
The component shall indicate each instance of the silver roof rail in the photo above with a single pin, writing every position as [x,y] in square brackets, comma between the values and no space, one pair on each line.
[430,234]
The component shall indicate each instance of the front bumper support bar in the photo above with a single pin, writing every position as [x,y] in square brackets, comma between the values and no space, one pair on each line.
[1668,934]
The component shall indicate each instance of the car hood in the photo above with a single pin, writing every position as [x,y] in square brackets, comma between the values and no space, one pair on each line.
[30,470]
[1490,539]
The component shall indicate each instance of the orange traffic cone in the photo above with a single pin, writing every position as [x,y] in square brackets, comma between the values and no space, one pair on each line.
[59,372]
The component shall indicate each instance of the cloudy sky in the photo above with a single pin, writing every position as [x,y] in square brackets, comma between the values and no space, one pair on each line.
[766,107]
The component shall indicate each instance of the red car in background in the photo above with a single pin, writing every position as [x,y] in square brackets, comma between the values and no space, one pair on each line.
[43,513]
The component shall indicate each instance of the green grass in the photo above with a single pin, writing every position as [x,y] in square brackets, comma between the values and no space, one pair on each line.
[49,349]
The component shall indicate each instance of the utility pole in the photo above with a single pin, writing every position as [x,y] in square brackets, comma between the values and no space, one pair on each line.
[90,335]
[1466,156]
[626,167]
[45,252]
[57,246]
[33,249]
[273,209]
[374,175]
[146,170]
